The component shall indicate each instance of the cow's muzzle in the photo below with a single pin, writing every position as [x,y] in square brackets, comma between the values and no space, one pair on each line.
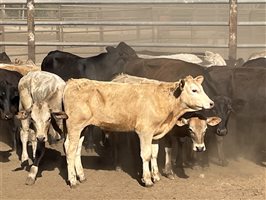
[221,132]
[41,138]
[199,147]
[6,116]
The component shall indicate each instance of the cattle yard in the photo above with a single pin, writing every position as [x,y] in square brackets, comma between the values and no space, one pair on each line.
[85,29]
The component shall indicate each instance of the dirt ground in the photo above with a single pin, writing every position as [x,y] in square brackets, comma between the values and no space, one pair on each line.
[241,179]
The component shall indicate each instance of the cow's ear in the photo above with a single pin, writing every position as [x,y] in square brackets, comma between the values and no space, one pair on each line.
[182,122]
[23,114]
[110,49]
[199,79]
[59,115]
[181,84]
[213,121]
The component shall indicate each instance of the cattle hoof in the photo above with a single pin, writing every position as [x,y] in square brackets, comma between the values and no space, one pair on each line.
[147,183]
[73,185]
[82,180]
[30,181]
[156,178]
[223,163]
[181,173]
[170,176]
[118,169]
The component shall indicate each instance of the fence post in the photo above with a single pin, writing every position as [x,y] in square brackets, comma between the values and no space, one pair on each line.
[59,28]
[2,29]
[233,30]
[31,29]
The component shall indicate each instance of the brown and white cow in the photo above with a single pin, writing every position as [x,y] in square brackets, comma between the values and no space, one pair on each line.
[40,100]
[196,126]
[193,125]
[149,109]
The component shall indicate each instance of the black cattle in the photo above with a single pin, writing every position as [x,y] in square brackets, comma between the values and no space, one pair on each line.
[246,87]
[4,58]
[102,67]
[258,62]
[9,101]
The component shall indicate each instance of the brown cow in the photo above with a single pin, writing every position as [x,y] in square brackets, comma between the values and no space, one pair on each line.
[22,68]
[150,109]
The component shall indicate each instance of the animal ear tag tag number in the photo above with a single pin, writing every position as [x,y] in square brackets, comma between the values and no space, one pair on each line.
[181,84]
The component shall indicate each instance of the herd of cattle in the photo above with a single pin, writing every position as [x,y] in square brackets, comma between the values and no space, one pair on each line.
[160,98]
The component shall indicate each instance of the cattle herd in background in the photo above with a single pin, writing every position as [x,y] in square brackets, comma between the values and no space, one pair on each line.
[179,100]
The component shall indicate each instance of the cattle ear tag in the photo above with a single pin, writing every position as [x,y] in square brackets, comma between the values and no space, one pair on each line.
[182,84]
[60,115]
[22,114]
[213,121]
[182,122]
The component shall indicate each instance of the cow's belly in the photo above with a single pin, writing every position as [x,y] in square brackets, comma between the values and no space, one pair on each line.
[115,122]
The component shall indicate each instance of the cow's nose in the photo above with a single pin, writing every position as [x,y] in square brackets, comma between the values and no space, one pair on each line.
[221,132]
[41,138]
[199,149]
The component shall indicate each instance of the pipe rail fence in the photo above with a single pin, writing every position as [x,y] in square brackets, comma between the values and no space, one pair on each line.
[28,7]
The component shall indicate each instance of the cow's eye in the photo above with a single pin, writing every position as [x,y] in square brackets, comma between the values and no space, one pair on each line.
[194,90]
[2,94]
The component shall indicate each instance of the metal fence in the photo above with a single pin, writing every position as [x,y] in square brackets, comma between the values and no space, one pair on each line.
[29,19]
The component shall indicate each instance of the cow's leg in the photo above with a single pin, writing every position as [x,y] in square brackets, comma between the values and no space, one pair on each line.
[34,168]
[78,164]
[24,135]
[89,141]
[71,145]
[220,149]
[115,146]
[34,145]
[180,172]
[168,170]
[145,153]
[17,139]
[154,166]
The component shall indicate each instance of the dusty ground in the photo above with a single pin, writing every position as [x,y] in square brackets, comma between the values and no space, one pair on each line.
[241,179]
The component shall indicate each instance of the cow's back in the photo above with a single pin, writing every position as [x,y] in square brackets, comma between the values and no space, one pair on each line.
[116,104]
[41,85]
[169,70]
[64,64]
[101,67]
[258,62]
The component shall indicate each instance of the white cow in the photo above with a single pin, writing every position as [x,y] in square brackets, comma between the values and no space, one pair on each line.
[40,100]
